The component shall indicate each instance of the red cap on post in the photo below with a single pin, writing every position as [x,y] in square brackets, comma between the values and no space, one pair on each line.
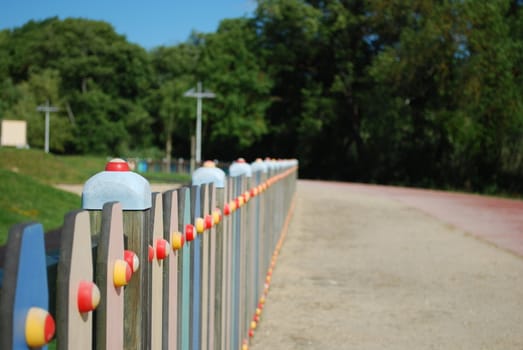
[117,164]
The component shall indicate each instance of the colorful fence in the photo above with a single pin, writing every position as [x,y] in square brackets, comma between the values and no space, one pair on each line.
[185,269]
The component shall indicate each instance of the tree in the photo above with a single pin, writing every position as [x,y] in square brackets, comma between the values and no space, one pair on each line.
[174,71]
[231,68]
[40,88]
[96,66]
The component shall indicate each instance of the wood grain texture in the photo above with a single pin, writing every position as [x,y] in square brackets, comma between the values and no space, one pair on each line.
[110,313]
[170,281]
[156,306]
[75,265]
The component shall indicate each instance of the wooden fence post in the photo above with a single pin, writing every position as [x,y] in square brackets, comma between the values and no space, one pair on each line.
[171,285]
[259,176]
[110,267]
[117,183]
[241,172]
[184,213]
[211,181]
[76,293]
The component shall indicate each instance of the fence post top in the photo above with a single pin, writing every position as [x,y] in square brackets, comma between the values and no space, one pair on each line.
[240,167]
[209,173]
[259,165]
[117,183]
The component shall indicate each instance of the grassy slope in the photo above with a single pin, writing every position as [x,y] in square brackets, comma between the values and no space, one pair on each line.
[48,168]
[26,191]
[24,199]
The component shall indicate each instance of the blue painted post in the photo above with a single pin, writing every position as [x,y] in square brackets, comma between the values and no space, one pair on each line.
[133,192]
[24,301]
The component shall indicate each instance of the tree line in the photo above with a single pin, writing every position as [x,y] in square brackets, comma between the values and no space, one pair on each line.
[419,92]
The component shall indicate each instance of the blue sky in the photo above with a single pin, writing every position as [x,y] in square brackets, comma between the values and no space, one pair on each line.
[147,23]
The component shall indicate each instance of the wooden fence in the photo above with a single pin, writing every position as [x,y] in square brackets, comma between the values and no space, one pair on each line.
[185,269]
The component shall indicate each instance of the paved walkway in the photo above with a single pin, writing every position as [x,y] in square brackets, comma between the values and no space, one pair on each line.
[372,267]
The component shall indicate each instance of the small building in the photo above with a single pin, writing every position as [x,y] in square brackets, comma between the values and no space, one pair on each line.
[14,133]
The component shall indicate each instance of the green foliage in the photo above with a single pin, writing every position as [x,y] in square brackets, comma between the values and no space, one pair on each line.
[409,92]
[236,118]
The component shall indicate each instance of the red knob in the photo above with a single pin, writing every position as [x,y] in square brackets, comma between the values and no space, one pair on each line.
[226,209]
[162,249]
[189,232]
[88,296]
[208,221]
[132,260]
[117,164]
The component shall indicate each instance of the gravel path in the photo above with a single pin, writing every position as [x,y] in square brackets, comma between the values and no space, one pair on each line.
[363,269]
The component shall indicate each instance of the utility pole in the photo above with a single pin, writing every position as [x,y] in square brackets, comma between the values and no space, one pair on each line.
[47,109]
[199,94]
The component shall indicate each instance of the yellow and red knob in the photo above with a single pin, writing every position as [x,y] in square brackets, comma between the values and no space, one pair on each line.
[39,327]
[132,259]
[163,249]
[239,201]
[246,196]
[200,225]
[88,296]
[177,240]
[121,273]
[217,216]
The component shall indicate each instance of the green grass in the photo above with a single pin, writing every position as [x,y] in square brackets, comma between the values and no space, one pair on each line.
[24,199]
[27,177]
[49,168]
[155,177]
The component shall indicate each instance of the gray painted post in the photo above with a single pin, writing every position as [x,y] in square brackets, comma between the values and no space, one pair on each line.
[133,192]
[242,172]
[259,172]
[184,295]
[228,258]
[172,233]
[161,250]
[209,174]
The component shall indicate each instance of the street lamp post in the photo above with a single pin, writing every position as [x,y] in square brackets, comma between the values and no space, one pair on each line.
[199,94]
[47,109]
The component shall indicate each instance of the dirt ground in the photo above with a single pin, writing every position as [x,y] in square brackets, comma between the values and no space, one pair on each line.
[366,270]
[77,189]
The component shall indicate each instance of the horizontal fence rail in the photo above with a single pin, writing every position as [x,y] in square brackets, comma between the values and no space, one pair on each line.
[185,269]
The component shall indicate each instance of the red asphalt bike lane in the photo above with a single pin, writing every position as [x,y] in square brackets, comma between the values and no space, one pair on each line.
[496,220]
